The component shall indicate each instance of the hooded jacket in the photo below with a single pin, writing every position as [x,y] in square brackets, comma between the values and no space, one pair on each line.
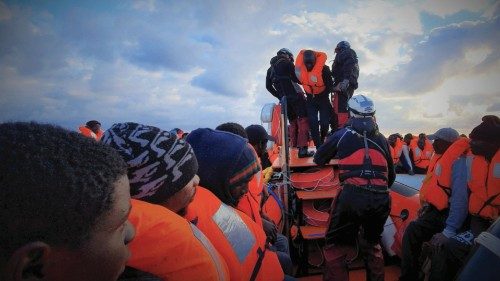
[345,66]
[279,78]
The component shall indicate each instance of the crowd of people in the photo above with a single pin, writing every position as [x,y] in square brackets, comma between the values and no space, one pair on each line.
[136,202]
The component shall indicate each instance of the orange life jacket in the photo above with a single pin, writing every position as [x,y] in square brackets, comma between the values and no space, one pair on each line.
[250,202]
[484,185]
[396,150]
[421,158]
[237,238]
[88,133]
[312,81]
[436,186]
[170,247]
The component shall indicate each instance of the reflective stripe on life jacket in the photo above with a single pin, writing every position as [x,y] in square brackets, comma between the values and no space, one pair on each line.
[170,247]
[237,237]
[436,187]
[88,133]
[421,158]
[367,166]
[312,81]
[396,150]
[484,185]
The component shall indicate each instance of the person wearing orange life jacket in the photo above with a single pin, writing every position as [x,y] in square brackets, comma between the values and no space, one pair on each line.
[281,81]
[483,180]
[162,170]
[366,172]
[443,197]
[400,154]
[345,72]
[164,238]
[227,164]
[420,153]
[92,129]
[251,202]
[316,79]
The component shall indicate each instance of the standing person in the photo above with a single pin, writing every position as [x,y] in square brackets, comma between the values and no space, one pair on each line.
[484,199]
[345,72]
[92,129]
[316,79]
[366,173]
[64,206]
[281,81]
[443,197]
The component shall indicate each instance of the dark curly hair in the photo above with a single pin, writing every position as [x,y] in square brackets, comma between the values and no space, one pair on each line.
[55,185]
[234,128]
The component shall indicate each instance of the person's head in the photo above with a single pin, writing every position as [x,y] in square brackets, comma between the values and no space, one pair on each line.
[407,138]
[64,206]
[442,139]
[361,106]
[485,138]
[227,163]
[161,168]
[258,138]
[342,45]
[309,59]
[94,126]
[177,132]
[422,138]
[234,128]
[284,52]
[392,139]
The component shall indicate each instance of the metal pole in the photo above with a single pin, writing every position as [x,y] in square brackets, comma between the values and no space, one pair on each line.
[285,161]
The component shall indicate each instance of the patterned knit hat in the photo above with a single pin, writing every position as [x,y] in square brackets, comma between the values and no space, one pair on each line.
[226,161]
[159,164]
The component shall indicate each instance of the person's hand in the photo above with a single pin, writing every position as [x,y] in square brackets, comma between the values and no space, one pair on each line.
[337,88]
[344,85]
[270,229]
[411,172]
[438,240]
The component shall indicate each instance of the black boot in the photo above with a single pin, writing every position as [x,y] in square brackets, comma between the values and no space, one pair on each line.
[303,152]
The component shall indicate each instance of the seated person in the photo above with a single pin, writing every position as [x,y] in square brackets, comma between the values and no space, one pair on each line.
[162,170]
[65,202]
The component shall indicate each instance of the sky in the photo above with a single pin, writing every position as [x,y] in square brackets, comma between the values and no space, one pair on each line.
[188,64]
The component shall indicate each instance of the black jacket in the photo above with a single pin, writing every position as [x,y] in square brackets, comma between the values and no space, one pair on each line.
[279,78]
[343,143]
[345,66]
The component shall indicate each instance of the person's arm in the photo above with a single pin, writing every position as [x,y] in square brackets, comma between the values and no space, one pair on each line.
[327,79]
[269,84]
[328,149]
[291,70]
[391,177]
[406,153]
[459,199]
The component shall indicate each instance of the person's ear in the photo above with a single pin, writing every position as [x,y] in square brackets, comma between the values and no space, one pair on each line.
[27,262]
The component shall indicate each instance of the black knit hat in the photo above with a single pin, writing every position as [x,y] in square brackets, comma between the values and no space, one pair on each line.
[159,164]
[488,130]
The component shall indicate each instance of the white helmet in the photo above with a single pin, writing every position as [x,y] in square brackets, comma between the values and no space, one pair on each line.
[361,106]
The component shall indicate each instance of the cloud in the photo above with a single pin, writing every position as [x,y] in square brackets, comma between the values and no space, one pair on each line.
[441,56]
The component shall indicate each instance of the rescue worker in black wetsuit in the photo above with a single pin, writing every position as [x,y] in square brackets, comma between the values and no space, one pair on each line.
[366,173]
[280,81]
[345,72]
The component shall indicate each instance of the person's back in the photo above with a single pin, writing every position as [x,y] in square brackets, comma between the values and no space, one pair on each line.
[280,76]
[366,172]
[65,201]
